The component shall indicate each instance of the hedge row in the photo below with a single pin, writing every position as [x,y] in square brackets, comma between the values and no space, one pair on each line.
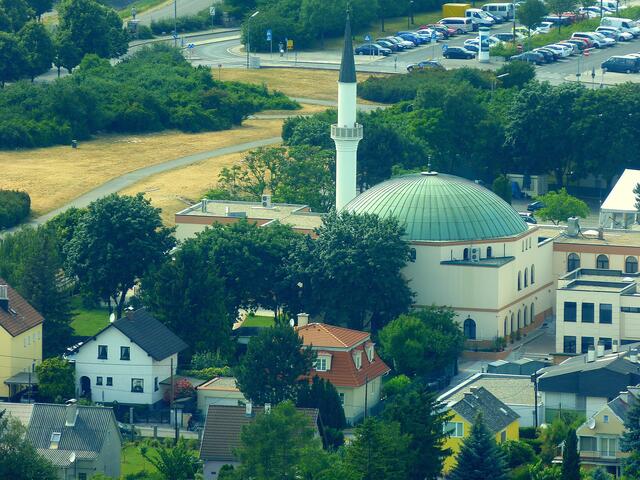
[14,207]
[187,23]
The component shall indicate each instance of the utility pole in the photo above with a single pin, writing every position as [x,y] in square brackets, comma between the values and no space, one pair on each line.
[175,23]
[173,405]
[534,379]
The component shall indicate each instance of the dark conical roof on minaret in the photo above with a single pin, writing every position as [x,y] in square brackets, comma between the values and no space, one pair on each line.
[348,64]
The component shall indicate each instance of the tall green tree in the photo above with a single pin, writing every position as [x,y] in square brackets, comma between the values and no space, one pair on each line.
[421,417]
[19,459]
[530,13]
[56,380]
[322,16]
[177,462]
[17,11]
[12,59]
[66,52]
[422,342]
[558,206]
[571,457]
[502,187]
[274,362]
[379,451]
[600,474]
[38,47]
[479,456]
[321,394]
[630,441]
[117,241]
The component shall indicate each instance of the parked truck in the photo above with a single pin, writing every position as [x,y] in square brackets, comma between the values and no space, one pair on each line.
[455,9]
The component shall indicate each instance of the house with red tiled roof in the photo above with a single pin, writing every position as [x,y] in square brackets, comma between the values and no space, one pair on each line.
[348,359]
[20,341]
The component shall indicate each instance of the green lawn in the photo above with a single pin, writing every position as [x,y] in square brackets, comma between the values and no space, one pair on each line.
[134,462]
[258,321]
[87,322]
[141,6]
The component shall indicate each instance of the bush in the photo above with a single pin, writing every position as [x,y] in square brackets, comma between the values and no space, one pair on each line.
[186,23]
[518,74]
[209,373]
[144,32]
[517,453]
[14,207]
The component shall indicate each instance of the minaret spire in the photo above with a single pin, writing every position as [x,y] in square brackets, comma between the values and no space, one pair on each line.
[346,133]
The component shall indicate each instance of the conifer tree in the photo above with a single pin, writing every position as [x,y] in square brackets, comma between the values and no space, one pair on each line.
[631,441]
[571,457]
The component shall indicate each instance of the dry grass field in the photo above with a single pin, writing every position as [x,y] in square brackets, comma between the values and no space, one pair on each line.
[56,175]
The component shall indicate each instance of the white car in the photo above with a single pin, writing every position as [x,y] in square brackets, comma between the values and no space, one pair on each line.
[544,27]
[574,48]
[428,31]
[617,32]
[562,50]
[609,42]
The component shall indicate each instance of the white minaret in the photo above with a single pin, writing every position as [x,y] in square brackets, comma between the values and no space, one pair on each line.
[346,133]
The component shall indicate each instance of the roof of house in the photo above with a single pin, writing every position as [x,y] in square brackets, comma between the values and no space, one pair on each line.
[92,427]
[19,411]
[223,427]
[623,402]
[21,316]
[509,389]
[330,336]
[496,415]
[227,384]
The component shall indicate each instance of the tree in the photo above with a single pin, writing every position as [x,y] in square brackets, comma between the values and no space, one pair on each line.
[560,7]
[319,17]
[40,6]
[517,453]
[630,441]
[571,457]
[423,342]
[177,462]
[117,241]
[517,74]
[359,254]
[552,437]
[187,295]
[502,187]
[379,451]
[558,206]
[12,59]
[66,53]
[274,445]
[17,11]
[530,13]
[540,471]
[19,460]
[600,474]
[272,366]
[56,381]
[38,48]
[479,456]
[321,394]
[421,417]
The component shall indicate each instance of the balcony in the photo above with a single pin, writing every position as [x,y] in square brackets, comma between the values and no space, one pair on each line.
[346,133]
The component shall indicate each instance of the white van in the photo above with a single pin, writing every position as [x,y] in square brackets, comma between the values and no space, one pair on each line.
[479,17]
[626,24]
[459,24]
[504,10]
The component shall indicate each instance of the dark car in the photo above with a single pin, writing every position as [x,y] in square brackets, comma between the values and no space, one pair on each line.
[528,217]
[548,55]
[578,43]
[425,65]
[410,37]
[622,64]
[458,52]
[441,29]
[496,18]
[530,57]
[395,41]
[554,53]
[535,206]
[394,47]
[372,49]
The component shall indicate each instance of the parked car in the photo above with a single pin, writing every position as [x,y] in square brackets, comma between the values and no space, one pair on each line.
[372,49]
[506,36]
[410,37]
[626,24]
[394,47]
[621,64]
[563,50]
[529,57]
[406,43]
[460,24]
[458,52]
[574,48]
[446,31]
[430,32]
[609,42]
[396,42]
[549,55]
[595,41]
[620,35]
[496,18]
[528,217]
[535,206]
[544,27]
[425,65]
[578,43]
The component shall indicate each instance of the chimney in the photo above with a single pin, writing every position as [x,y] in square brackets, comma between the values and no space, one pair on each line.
[4,297]
[600,233]
[614,346]
[248,409]
[591,354]
[71,413]
[303,319]
[267,408]
[633,355]
[203,205]
[600,350]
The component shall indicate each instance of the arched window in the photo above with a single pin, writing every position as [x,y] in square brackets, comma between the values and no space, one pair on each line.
[469,329]
[533,274]
[465,254]
[512,325]
[573,262]
[519,281]
[489,252]
[504,327]
[602,261]
[526,318]
[526,277]
[631,265]
[532,315]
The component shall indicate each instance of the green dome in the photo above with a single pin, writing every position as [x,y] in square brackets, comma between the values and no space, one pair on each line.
[438,208]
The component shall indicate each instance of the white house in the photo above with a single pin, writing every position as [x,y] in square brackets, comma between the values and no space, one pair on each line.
[127,360]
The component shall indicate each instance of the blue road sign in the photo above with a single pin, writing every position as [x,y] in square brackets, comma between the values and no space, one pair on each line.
[191,45]
[367,38]
[269,35]
[445,47]
[434,36]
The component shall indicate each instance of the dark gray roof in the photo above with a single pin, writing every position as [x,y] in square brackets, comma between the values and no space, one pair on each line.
[93,425]
[497,416]
[149,334]
[348,64]
[22,378]
[623,403]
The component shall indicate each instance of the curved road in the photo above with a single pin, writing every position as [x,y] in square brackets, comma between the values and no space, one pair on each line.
[184,7]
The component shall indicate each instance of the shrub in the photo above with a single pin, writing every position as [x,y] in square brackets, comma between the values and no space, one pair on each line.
[185,23]
[209,373]
[144,32]
[14,207]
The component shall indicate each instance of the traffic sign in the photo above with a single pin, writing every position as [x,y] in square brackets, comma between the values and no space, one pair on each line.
[367,38]
[191,45]
[269,35]
[445,47]
[212,11]
[434,36]
[289,44]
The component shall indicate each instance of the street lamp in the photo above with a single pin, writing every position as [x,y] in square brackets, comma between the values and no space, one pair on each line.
[410,15]
[249,35]
[493,84]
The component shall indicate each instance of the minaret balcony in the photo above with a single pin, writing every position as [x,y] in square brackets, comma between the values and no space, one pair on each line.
[346,133]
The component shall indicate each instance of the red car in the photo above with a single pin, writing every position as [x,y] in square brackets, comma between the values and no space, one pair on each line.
[450,32]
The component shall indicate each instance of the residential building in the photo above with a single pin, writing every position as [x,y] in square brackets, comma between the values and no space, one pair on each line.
[348,359]
[20,341]
[127,360]
[585,383]
[599,437]
[501,420]
[515,391]
[219,391]
[597,305]
[221,435]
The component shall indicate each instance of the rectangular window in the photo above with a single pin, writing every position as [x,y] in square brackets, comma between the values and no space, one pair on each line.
[570,311]
[586,342]
[588,315]
[569,344]
[606,342]
[55,440]
[453,429]
[588,444]
[137,385]
[98,380]
[605,313]
[103,352]
[125,353]
[605,418]
[109,381]
[503,436]
[155,384]
[342,399]
[608,446]
[630,309]
[321,364]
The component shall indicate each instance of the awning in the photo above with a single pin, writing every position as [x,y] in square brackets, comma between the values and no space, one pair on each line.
[22,378]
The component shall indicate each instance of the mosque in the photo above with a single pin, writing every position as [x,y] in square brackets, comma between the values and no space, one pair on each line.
[469,248]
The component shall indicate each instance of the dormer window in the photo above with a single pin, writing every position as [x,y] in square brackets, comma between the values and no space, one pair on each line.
[357,359]
[370,353]
[323,362]
[55,440]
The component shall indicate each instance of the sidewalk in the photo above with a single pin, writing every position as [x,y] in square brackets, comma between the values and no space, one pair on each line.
[328,57]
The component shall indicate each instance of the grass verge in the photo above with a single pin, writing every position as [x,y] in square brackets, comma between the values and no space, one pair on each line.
[140,5]
[87,322]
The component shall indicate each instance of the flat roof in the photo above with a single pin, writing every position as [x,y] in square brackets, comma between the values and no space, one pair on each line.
[590,279]
[227,384]
[622,198]
[623,238]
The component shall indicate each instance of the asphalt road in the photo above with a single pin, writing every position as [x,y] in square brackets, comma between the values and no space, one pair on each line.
[184,7]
